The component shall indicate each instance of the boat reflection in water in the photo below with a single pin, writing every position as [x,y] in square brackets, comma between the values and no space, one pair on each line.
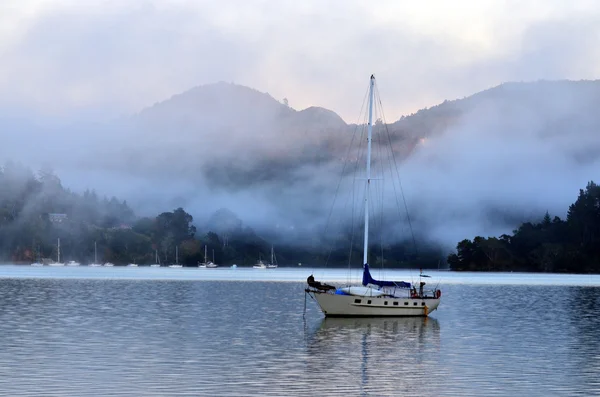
[377,355]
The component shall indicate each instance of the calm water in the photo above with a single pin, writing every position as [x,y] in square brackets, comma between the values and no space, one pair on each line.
[101,332]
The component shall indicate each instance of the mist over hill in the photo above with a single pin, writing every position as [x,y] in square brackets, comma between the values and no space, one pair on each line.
[473,166]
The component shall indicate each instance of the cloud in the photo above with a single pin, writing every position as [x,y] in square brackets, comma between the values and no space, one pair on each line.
[516,153]
[65,57]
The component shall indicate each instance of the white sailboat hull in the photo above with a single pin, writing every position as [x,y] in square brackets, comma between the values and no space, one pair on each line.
[334,305]
[259,265]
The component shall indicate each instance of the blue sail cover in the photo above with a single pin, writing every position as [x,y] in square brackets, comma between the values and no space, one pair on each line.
[367,279]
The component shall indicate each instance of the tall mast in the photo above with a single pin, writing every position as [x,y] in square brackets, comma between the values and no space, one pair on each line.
[58,256]
[95,253]
[369,133]
[176,255]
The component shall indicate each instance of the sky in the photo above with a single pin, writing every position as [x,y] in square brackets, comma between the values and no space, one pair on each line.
[104,59]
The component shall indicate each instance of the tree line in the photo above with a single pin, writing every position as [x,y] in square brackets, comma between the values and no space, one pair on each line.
[571,245]
[36,210]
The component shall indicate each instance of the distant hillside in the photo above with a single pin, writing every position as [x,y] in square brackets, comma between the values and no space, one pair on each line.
[235,135]
[542,108]
[482,163]
[222,132]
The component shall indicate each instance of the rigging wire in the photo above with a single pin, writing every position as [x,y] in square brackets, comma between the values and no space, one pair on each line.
[327,223]
[352,200]
[381,133]
[399,181]
[381,186]
[359,159]
[398,174]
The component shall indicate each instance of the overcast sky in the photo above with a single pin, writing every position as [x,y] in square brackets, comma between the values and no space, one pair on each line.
[107,58]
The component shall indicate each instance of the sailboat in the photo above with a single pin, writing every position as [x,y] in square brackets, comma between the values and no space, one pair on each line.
[203,264]
[273,264]
[95,264]
[373,297]
[38,262]
[208,264]
[176,264]
[260,264]
[58,262]
[212,264]
[156,260]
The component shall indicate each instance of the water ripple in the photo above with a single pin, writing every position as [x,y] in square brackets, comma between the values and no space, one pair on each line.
[74,337]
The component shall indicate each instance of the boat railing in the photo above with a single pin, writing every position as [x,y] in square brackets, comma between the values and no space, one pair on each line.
[434,293]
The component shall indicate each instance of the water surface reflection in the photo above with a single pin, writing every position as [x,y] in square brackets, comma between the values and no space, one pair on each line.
[71,337]
[374,355]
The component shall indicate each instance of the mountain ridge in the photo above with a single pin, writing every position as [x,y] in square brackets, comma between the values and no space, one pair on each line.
[224,145]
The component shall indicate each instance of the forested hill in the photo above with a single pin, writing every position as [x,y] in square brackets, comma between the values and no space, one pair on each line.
[231,137]
[480,165]
[551,245]
[545,107]
[37,210]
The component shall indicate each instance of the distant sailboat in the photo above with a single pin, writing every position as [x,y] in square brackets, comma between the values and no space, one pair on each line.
[207,264]
[95,264]
[260,264]
[203,264]
[38,262]
[212,264]
[273,264]
[58,262]
[176,264]
[156,260]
